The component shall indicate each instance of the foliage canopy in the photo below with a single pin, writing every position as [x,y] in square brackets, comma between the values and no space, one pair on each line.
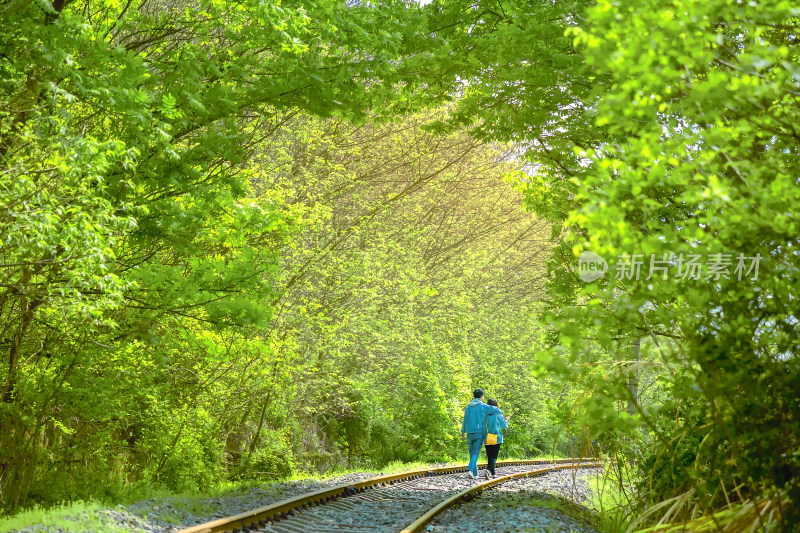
[225,224]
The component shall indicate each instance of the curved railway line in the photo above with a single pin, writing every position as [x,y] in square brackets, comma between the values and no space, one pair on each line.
[403,502]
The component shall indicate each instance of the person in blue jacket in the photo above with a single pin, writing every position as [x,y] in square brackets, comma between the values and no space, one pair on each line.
[494,423]
[473,428]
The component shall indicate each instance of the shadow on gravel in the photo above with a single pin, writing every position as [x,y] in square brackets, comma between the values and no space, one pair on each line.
[524,511]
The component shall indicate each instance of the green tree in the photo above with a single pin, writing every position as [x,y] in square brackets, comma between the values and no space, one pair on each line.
[126,133]
[419,254]
[661,129]
[704,96]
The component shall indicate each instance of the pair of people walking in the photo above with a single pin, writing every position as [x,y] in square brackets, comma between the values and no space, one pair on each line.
[480,420]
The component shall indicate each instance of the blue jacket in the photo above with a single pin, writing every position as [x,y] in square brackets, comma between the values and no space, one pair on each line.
[474,414]
[496,424]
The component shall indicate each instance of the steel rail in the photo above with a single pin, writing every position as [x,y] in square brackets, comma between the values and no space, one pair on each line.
[283,509]
[420,522]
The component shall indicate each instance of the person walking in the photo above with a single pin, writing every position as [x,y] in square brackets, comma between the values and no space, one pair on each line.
[494,424]
[473,428]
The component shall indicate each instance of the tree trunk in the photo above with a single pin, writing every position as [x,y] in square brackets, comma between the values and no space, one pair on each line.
[633,377]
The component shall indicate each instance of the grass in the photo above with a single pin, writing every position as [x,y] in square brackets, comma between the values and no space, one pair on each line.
[75,517]
[577,512]
[610,503]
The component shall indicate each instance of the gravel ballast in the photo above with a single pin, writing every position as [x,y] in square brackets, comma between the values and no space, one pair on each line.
[552,503]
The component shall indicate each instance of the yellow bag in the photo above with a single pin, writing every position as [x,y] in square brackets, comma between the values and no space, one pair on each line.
[491,438]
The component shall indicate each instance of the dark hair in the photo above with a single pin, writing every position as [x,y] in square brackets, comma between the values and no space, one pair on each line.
[478,393]
[492,401]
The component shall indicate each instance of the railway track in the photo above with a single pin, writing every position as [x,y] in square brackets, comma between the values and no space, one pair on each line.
[403,502]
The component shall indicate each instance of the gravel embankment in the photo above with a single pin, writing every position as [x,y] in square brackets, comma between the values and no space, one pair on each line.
[551,504]
[528,504]
[167,515]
